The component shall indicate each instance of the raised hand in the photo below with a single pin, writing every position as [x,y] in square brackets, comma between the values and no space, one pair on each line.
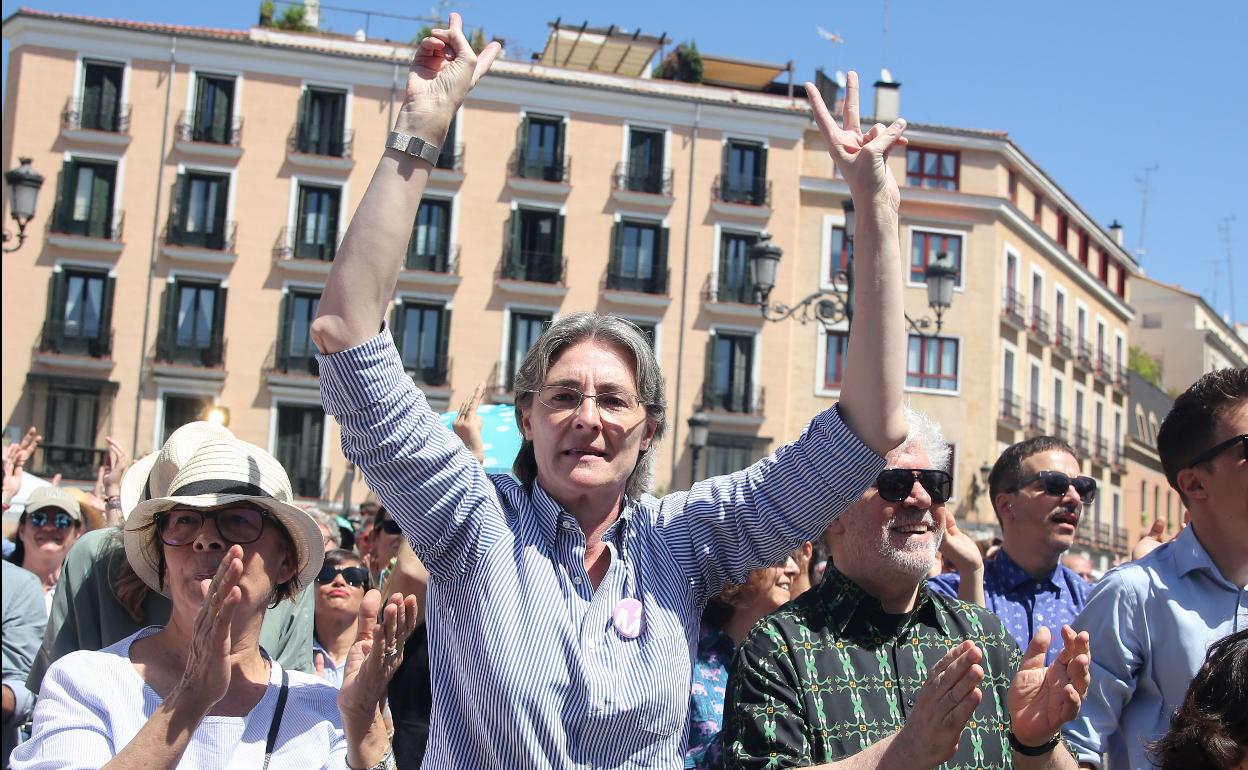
[1042,699]
[468,423]
[943,706]
[861,158]
[116,461]
[442,72]
[207,675]
[375,657]
[959,547]
[15,458]
[1150,541]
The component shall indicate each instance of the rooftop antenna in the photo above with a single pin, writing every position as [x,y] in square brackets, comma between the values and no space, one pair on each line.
[1217,279]
[1224,229]
[1143,184]
[884,46]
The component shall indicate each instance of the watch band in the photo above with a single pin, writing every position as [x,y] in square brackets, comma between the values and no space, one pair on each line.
[414,146]
[1033,751]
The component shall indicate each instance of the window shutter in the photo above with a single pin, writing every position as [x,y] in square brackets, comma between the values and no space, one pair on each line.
[724,168]
[444,340]
[178,209]
[282,353]
[63,209]
[331,228]
[166,335]
[222,109]
[444,235]
[515,244]
[556,266]
[397,327]
[660,256]
[304,136]
[218,328]
[560,128]
[218,222]
[760,181]
[110,97]
[106,315]
[54,325]
[91,85]
[616,264]
[338,125]
[522,144]
[301,223]
[100,222]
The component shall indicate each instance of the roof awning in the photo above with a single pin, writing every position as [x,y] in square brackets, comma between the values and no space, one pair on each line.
[739,73]
[600,49]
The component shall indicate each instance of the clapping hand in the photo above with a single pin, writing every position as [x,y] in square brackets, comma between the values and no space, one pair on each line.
[861,158]
[375,656]
[468,424]
[941,709]
[1042,699]
[442,72]
[207,675]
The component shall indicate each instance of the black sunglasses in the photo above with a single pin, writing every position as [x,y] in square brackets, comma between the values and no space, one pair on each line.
[355,576]
[894,484]
[1218,449]
[1056,483]
[60,519]
[241,524]
[390,527]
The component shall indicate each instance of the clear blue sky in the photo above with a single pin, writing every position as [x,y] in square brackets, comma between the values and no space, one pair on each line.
[1094,91]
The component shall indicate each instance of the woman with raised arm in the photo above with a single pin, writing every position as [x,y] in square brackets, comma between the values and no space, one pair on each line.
[564,604]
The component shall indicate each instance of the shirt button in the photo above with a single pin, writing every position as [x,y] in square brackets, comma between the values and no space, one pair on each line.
[1039,616]
[576,580]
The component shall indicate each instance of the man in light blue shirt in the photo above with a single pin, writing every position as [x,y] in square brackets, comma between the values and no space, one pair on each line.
[24,618]
[1151,621]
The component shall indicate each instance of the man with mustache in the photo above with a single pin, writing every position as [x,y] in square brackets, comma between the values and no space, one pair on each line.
[1038,494]
[870,669]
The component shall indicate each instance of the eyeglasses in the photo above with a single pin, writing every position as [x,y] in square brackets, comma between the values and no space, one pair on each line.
[1056,483]
[355,576]
[390,527]
[60,519]
[241,524]
[561,398]
[894,484]
[1218,449]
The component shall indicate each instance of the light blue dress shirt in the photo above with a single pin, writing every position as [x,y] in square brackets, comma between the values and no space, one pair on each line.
[24,618]
[527,668]
[1151,621]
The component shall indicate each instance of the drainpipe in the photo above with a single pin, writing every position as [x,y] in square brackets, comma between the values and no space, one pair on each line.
[151,265]
[684,292]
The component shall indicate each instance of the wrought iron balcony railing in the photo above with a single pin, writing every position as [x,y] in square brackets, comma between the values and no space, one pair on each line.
[113,118]
[643,179]
[307,142]
[536,266]
[738,399]
[108,226]
[542,169]
[1013,307]
[193,127]
[72,462]
[178,232]
[68,339]
[749,191]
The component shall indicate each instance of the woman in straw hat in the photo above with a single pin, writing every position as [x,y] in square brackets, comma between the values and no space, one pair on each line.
[223,544]
[564,604]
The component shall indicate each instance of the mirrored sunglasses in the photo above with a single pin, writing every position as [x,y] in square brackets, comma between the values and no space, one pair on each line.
[894,484]
[59,519]
[355,576]
[1056,483]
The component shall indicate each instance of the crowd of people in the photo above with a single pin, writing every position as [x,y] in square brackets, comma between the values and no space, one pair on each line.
[820,607]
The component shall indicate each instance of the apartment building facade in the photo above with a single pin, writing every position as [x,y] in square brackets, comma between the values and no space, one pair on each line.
[1148,495]
[241,155]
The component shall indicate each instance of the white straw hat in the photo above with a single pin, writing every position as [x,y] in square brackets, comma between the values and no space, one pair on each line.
[140,483]
[219,472]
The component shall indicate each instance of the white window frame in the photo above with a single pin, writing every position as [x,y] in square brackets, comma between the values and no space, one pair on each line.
[959,286]
[821,359]
[961,372]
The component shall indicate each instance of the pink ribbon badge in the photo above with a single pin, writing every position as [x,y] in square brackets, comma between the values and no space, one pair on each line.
[627,618]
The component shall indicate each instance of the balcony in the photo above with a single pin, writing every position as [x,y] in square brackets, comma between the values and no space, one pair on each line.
[302,257]
[448,172]
[1011,414]
[1122,379]
[99,234]
[72,462]
[532,272]
[646,186]
[1104,369]
[1063,342]
[1013,310]
[184,243]
[1037,422]
[1118,461]
[1038,329]
[171,350]
[1095,535]
[1061,428]
[1100,450]
[432,374]
[196,136]
[742,196]
[548,176]
[1079,441]
[743,400]
[97,125]
[1085,357]
[312,150]
[62,339]
[629,279]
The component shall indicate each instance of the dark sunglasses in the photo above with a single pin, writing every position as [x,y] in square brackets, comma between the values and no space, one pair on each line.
[1218,449]
[894,484]
[355,576]
[60,519]
[1056,483]
[390,527]
[241,524]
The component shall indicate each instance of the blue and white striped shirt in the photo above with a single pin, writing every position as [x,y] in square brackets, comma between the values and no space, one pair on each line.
[527,668]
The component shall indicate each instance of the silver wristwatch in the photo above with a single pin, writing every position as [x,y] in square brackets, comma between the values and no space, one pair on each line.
[414,146]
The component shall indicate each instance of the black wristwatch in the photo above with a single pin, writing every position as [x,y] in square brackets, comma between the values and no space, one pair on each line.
[1033,751]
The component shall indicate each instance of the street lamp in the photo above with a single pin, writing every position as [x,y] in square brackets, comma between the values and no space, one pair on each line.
[831,306]
[699,427]
[23,183]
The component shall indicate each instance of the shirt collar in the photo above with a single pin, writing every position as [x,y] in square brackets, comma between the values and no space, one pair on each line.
[1013,576]
[1190,554]
[850,608]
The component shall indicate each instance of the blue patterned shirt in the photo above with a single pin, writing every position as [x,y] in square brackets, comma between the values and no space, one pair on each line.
[706,699]
[527,668]
[1024,603]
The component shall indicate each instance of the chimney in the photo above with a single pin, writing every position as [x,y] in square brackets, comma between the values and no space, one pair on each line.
[1115,229]
[312,13]
[830,89]
[887,98]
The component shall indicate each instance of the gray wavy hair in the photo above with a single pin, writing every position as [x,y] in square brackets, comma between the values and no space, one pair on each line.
[571,330]
[925,434]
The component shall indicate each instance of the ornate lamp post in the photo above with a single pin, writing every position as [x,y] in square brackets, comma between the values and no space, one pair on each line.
[699,427]
[23,183]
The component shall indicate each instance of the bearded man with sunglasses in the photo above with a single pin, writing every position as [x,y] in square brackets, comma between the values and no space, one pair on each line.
[1038,494]
[1152,620]
[871,669]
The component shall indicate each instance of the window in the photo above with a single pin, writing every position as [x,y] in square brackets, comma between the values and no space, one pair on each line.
[729,383]
[1081,325]
[1083,248]
[80,313]
[322,123]
[101,96]
[932,362]
[316,231]
[193,322]
[451,156]
[1059,408]
[1151,321]
[650,329]
[734,284]
[535,252]
[525,329]
[299,431]
[179,410]
[1012,186]
[925,247]
[213,119]
[1144,503]
[71,427]
[296,353]
[744,174]
[540,148]
[841,253]
[1121,289]
[638,257]
[1140,427]
[1103,269]
[645,171]
[85,199]
[1033,382]
[422,332]
[430,245]
[836,348]
[1037,209]
[727,453]
[1063,229]
[199,207]
[933,169]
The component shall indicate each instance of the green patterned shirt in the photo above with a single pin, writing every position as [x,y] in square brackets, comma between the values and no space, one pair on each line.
[831,673]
